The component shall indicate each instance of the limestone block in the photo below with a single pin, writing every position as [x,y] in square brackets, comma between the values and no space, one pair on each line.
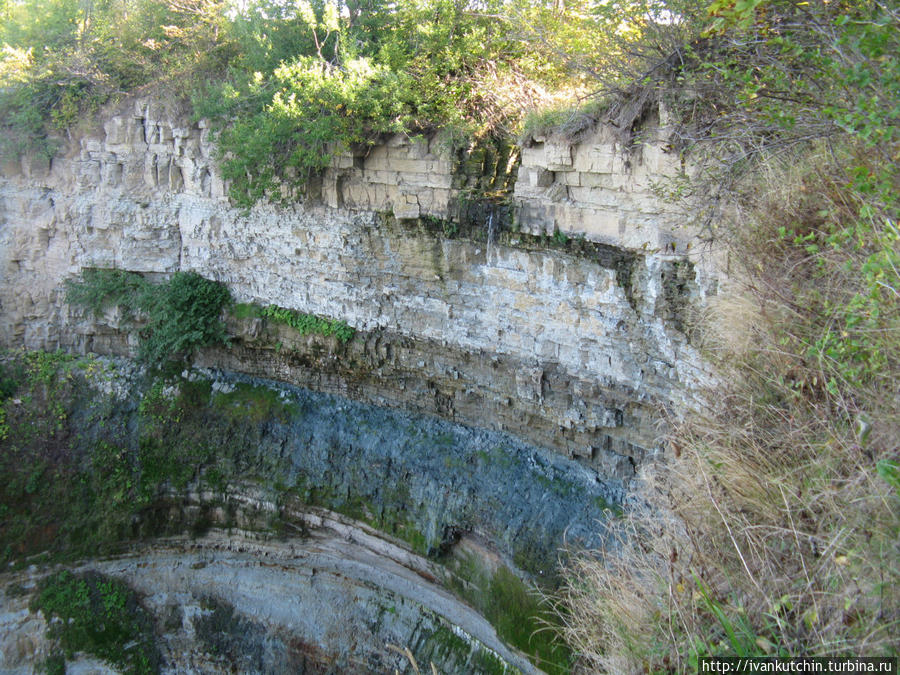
[558,157]
[525,191]
[596,159]
[427,180]
[162,171]
[596,180]
[537,177]
[115,131]
[595,197]
[136,133]
[420,149]
[377,159]
[406,206]
[385,196]
[556,193]
[342,161]
[88,174]
[535,217]
[331,193]
[426,201]
[122,150]
[533,156]
[529,384]
[408,165]
[377,163]
[400,152]
[442,196]
[596,224]
[176,178]
[440,166]
[112,174]
[355,193]
[380,176]
[164,133]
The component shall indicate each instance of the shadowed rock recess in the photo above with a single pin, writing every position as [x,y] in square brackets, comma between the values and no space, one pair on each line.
[340,502]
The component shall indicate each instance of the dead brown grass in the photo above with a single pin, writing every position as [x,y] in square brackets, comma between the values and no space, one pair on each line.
[768,529]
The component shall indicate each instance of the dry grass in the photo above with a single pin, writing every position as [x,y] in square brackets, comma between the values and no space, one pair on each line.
[772,526]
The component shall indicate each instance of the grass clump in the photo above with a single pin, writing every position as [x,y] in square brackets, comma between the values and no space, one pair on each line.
[100,616]
[516,611]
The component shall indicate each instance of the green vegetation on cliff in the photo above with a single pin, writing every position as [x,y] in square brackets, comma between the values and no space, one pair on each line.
[182,314]
[775,526]
[100,458]
[175,317]
[98,615]
[287,83]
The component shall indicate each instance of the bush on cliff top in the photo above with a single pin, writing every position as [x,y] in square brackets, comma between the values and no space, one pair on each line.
[61,60]
[289,84]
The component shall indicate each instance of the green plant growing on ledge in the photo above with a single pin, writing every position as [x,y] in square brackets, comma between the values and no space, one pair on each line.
[309,323]
[100,289]
[181,314]
[100,616]
[185,313]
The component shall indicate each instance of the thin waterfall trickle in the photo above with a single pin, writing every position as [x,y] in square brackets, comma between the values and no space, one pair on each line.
[490,234]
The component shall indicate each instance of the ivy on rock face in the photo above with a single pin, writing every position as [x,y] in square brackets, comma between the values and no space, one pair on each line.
[309,323]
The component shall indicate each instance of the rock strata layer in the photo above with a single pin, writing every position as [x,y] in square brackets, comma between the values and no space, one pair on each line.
[580,353]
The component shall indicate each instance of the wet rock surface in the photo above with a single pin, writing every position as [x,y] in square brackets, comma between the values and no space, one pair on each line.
[417,477]
[316,531]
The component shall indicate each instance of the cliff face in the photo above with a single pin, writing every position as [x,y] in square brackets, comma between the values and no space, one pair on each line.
[572,341]
[551,321]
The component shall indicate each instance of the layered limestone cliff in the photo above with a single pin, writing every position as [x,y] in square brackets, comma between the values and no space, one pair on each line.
[571,341]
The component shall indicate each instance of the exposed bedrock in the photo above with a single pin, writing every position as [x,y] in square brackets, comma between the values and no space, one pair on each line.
[422,479]
[502,388]
[579,347]
[333,528]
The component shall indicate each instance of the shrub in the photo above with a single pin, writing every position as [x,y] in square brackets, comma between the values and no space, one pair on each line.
[184,314]
[100,289]
[180,315]
[61,60]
